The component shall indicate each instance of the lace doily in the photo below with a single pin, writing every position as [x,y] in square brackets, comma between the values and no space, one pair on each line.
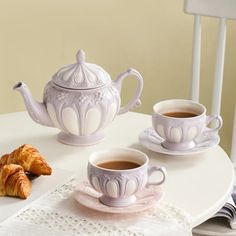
[59,214]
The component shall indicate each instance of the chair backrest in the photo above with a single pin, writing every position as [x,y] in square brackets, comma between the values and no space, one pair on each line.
[223,10]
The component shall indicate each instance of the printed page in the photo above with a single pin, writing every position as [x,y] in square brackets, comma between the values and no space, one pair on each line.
[228,211]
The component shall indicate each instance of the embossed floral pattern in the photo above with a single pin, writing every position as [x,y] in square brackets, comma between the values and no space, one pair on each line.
[61,96]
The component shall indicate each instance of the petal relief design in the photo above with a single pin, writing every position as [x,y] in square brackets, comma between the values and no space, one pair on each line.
[92,121]
[192,133]
[176,135]
[160,131]
[53,115]
[95,182]
[70,120]
[112,189]
[130,187]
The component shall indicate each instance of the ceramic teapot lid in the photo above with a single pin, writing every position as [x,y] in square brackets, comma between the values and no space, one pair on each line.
[81,75]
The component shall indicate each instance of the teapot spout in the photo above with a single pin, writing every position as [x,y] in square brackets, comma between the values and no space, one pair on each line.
[37,111]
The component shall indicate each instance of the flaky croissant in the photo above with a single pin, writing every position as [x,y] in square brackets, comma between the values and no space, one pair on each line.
[14,182]
[29,158]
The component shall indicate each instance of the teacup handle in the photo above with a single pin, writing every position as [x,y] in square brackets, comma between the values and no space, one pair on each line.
[212,118]
[135,101]
[153,169]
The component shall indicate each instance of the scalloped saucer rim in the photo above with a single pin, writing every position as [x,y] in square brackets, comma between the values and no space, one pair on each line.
[151,140]
[88,197]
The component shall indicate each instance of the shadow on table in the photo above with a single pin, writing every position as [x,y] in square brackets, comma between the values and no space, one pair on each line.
[46,144]
[174,162]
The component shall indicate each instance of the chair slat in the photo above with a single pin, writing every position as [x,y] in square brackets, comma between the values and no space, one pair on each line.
[196,58]
[219,67]
[214,8]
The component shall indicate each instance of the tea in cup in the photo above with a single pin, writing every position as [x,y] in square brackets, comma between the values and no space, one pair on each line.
[119,174]
[179,122]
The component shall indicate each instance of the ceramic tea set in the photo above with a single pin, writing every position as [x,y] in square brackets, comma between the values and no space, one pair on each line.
[81,100]
[181,127]
[120,189]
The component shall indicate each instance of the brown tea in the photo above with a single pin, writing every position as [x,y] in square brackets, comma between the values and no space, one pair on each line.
[118,165]
[180,114]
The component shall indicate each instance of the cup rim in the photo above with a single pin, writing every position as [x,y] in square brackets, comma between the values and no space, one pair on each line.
[201,106]
[118,149]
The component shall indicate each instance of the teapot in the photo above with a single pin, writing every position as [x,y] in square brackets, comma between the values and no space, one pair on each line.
[80,100]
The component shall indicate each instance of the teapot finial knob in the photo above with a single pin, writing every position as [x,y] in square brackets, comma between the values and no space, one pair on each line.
[80,56]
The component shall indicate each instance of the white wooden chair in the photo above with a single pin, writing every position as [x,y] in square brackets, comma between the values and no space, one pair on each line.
[223,10]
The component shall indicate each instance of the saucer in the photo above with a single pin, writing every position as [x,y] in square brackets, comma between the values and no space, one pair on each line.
[151,140]
[88,197]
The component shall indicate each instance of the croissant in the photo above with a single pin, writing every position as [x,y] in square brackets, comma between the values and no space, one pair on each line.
[14,182]
[29,158]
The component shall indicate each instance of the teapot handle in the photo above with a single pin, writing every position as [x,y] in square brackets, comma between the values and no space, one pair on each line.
[135,101]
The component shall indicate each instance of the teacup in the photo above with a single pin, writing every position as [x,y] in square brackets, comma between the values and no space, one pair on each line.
[119,173]
[179,122]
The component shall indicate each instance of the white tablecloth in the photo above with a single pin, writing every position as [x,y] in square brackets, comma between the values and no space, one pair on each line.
[59,214]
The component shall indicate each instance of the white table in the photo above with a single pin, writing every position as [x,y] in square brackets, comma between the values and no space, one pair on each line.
[199,184]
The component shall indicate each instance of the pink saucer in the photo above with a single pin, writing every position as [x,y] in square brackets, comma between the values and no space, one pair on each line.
[88,197]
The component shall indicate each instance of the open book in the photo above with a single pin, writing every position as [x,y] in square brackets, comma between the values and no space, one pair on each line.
[223,222]
[228,211]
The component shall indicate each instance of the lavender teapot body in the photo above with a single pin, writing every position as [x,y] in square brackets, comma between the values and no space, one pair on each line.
[81,100]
